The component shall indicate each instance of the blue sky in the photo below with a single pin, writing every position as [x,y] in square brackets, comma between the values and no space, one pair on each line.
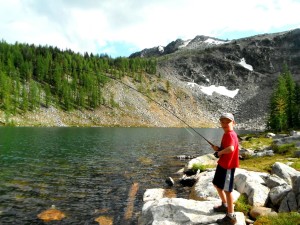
[121,27]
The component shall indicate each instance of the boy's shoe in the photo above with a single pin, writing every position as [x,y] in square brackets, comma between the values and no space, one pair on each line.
[220,208]
[227,220]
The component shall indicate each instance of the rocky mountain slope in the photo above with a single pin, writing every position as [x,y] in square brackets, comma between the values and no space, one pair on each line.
[248,67]
[196,80]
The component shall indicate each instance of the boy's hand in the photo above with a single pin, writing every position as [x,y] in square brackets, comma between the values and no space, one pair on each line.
[216,154]
[216,148]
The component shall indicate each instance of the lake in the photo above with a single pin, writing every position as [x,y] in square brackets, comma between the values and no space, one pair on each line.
[88,172]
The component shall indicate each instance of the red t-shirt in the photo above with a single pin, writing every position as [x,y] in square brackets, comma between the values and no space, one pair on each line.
[231,160]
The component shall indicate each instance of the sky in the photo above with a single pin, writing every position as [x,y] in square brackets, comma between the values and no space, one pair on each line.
[122,27]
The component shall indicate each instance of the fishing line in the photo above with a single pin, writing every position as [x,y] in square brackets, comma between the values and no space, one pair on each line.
[159,104]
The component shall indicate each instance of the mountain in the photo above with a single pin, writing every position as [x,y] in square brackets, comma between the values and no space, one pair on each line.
[187,82]
[247,68]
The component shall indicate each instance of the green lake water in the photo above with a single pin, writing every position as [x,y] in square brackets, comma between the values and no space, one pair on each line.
[88,172]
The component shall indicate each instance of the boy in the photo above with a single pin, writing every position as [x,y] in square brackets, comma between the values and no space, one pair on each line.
[224,175]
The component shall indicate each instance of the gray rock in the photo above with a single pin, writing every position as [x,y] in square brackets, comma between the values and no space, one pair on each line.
[205,190]
[179,211]
[207,159]
[289,203]
[274,181]
[277,194]
[285,172]
[153,194]
[253,185]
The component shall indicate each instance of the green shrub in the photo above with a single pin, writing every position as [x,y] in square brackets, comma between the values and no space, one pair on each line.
[284,149]
[242,204]
[296,165]
[199,166]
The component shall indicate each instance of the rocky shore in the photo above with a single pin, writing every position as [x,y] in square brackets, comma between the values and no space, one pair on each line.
[267,193]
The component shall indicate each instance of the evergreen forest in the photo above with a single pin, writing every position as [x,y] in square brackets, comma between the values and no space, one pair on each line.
[40,76]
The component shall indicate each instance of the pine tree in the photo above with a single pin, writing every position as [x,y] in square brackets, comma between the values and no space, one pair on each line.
[284,104]
[297,106]
[290,86]
[278,120]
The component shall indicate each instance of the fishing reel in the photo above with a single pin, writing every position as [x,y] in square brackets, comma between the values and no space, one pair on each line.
[216,154]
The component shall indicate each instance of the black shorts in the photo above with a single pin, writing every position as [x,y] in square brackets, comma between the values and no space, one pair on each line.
[224,178]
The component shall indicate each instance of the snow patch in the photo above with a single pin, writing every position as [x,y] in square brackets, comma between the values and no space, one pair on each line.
[245,65]
[211,89]
[161,49]
[184,44]
[215,42]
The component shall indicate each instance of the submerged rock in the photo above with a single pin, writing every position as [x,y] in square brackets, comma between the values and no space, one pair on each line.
[51,214]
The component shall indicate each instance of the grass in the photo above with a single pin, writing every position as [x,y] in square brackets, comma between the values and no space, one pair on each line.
[284,148]
[256,142]
[264,164]
[242,204]
[292,218]
[202,168]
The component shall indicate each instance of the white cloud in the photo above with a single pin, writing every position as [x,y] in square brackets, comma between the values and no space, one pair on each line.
[88,25]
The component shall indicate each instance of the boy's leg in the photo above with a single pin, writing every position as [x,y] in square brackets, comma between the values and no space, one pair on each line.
[229,199]
[223,206]
[222,195]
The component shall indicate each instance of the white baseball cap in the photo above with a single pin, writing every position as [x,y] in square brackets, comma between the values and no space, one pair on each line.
[227,115]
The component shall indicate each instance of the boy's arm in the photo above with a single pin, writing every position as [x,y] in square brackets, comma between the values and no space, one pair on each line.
[226,150]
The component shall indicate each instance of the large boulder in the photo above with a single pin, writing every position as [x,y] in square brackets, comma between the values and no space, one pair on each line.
[289,203]
[285,172]
[274,181]
[253,185]
[179,211]
[205,190]
[208,159]
[277,194]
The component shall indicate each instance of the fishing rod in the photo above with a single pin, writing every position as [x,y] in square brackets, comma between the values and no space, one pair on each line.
[159,104]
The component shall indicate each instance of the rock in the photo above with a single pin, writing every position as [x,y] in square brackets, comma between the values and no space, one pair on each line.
[270,135]
[253,185]
[104,220]
[294,133]
[296,185]
[170,181]
[207,159]
[189,181]
[178,211]
[246,153]
[257,211]
[285,172]
[183,157]
[205,190]
[274,181]
[153,194]
[289,203]
[277,194]
[263,153]
[259,187]
[51,215]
